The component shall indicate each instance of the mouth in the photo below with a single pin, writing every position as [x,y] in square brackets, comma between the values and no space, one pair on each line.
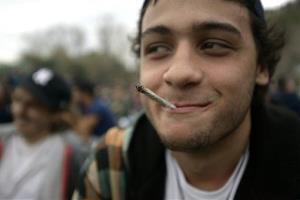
[21,122]
[183,108]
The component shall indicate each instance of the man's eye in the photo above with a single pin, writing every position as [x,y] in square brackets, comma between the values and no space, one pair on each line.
[157,50]
[215,48]
[213,45]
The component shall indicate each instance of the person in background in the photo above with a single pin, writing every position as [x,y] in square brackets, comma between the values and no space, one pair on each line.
[211,59]
[286,95]
[37,159]
[94,117]
[5,103]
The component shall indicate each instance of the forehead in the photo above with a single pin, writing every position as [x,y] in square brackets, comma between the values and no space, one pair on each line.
[23,95]
[180,14]
[77,90]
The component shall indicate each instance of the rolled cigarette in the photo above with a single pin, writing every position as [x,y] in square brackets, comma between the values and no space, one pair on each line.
[154,96]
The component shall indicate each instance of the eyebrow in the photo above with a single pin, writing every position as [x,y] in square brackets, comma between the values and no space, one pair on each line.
[197,27]
[216,26]
[160,29]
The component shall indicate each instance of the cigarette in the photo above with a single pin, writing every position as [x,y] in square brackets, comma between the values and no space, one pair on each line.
[154,96]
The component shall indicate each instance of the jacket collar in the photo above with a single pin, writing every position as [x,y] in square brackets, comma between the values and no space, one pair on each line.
[146,178]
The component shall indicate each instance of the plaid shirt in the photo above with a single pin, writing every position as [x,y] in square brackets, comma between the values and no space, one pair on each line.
[104,177]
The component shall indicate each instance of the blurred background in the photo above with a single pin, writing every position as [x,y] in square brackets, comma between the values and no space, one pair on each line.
[91,39]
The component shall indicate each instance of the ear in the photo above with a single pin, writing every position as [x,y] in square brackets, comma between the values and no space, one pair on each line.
[262,76]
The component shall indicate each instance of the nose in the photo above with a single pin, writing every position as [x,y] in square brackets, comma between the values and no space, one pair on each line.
[184,70]
[18,109]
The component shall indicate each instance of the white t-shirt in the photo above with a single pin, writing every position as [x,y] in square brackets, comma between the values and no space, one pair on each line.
[25,169]
[177,188]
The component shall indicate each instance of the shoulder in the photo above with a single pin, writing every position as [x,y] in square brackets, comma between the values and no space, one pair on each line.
[275,150]
[278,128]
[277,133]
[115,142]
[80,150]
[98,106]
[104,167]
[98,103]
[282,120]
[107,163]
[7,130]
[108,151]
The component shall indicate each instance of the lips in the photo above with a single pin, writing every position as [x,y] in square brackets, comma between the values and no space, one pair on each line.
[182,108]
[21,122]
[182,105]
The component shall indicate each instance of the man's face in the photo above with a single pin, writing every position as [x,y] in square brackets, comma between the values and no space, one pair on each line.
[201,56]
[30,117]
[77,96]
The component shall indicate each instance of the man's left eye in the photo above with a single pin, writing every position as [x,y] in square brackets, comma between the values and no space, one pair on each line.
[213,45]
[215,48]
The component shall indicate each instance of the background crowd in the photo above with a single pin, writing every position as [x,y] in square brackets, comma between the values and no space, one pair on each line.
[102,95]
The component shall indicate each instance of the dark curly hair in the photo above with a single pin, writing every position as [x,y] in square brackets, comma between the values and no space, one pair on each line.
[269,40]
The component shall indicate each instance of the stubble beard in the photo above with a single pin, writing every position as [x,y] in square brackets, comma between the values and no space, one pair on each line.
[222,126]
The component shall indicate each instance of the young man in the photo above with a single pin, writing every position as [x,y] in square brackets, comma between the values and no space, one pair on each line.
[94,117]
[36,160]
[213,60]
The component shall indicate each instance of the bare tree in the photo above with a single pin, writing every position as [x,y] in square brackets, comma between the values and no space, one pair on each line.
[114,40]
[44,43]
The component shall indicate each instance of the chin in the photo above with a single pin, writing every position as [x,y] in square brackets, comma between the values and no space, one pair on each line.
[184,140]
[21,129]
[186,145]
[24,130]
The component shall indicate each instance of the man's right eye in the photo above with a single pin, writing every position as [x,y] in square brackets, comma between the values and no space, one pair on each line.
[157,50]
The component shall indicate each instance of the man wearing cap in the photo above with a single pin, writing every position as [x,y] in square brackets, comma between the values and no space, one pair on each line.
[212,59]
[37,161]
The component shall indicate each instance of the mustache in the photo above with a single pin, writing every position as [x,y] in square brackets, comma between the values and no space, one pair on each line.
[21,119]
[191,97]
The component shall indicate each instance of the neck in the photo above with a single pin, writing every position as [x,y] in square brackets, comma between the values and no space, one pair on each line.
[211,168]
[35,138]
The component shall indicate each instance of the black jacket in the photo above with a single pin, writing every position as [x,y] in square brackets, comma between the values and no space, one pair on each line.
[273,170]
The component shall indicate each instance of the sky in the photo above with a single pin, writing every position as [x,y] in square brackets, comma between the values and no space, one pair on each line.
[20,17]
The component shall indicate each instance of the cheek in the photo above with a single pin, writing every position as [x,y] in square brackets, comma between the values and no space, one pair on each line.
[34,115]
[232,77]
[14,109]
[40,118]
[151,76]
